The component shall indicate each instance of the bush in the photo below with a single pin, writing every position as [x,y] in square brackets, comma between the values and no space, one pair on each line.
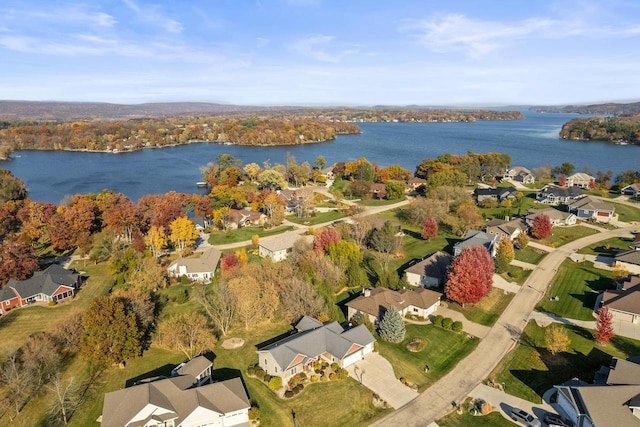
[254,413]
[275,383]
[447,323]
[342,374]
[314,379]
[324,379]
[515,274]
[251,370]
[52,303]
[184,279]
[438,320]
[182,297]
[332,376]
[297,379]
[457,326]
[335,367]
[288,394]
[267,378]
[297,389]
[259,373]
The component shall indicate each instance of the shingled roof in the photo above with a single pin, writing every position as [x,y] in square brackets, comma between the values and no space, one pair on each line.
[627,300]
[380,299]
[435,265]
[42,282]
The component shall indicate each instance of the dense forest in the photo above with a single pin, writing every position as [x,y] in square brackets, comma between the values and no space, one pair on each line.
[611,108]
[411,115]
[611,129]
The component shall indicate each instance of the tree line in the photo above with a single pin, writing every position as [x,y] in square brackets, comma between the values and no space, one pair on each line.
[609,129]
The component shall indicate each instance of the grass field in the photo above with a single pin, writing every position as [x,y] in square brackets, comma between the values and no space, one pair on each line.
[492,419]
[564,235]
[376,202]
[516,274]
[530,370]
[243,234]
[487,311]
[615,244]
[443,351]
[530,255]
[318,218]
[576,285]
[627,213]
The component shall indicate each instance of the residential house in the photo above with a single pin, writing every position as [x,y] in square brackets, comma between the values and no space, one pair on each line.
[588,208]
[613,399]
[379,190]
[201,223]
[416,184]
[375,302]
[200,269]
[558,218]
[632,190]
[53,284]
[431,272]
[554,195]
[477,238]
[279,247]
[581,180]
[503,228]
[498,194]
[312,342]
[186,399]
[624,302]
[521,174]
[239,218]
[629,260]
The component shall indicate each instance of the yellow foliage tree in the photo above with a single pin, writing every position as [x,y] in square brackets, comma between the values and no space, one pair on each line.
[156,239]
[556,339]
[183,234]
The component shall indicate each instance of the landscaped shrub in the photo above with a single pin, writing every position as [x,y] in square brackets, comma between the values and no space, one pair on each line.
[288,394]
[335,367]
[342,374]
[267,378]
[184,279]
[182,297]
[485,407]
[324,379]
[447,323]
[52,303]
[259,373]
[254,413]
[332,376]
[297,389]
[251,370]
[438,320]
[515,274]
[297,379]
[457,326]
[314,379]
[275,383]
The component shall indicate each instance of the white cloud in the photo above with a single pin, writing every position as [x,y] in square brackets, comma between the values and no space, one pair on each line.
[319,47]
[152,15]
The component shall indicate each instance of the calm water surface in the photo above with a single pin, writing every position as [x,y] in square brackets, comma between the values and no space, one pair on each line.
[531,142]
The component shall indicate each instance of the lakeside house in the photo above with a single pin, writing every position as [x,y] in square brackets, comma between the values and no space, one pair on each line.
[632,190]
[581,180]
[375,302]
[498,194]
[552,194]
[54,284]
[588,208]
[200,269]
[520,174]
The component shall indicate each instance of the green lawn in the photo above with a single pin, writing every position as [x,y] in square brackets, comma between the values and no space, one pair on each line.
[627,213]
[515,274]
[317,218]
[487,311]
[576,285]
[530,370]
[530,255]
[528,202]
[376,202]
[615,244]
[492,419]
[244,233]
[564,235]
[443,351]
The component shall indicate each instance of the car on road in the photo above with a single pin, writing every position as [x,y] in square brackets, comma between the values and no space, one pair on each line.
[554,420]
[524,417]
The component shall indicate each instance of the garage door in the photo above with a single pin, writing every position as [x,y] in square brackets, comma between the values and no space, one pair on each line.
[351,359]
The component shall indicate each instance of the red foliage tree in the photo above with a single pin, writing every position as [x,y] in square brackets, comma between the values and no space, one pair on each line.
[562,181]
[541,228]
[17,261]
[323,239]
[429,228]
[228,263]
[61,235]
[470,276]
[604,326]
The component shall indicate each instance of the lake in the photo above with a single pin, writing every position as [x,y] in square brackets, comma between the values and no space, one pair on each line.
[531,142]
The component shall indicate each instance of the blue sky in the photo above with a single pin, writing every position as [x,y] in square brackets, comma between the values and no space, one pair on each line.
[321,52]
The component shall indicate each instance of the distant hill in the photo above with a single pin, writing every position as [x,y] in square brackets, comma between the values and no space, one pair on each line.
[609,109]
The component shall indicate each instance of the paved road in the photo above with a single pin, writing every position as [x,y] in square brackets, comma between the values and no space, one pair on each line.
[436,401]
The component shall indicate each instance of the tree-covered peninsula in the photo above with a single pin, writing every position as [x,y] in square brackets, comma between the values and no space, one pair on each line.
[611,129]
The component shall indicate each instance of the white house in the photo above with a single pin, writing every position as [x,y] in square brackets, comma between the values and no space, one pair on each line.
[182,400]
[581,180]
[375,302]
[278,247]
[199,269]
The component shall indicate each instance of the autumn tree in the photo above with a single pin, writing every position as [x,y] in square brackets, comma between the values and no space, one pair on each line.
[562,181]
[299,298]
[470,277]
[324,238]
[228,263]
[273,207]
[183,234]
[320,162]
[11,188]
[522,241]
[504,255]
[467,216]
[120,214]
[604,326]
[252,170]
[17,261]
[219,306]
[391,328]
[156,240]
[541,227]
[67,397]
[186,332]
[386,241]
[271,179]
[255,301]
[556,339]
[60,234]
[111,331]
[429,228]
[359,230]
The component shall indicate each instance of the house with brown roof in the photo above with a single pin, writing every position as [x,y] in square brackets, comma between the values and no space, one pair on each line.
[520,174]
[431,272]
[375,302]
[313,342]
[186,399]
[581,180]
[200,268]
[416,184]
[557,218]
[53,284]
[509,229]
[629,260]
[613,399]
[279,247]
[624,302]
[588,208]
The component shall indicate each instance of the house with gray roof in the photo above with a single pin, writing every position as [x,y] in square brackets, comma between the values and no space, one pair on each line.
[53,284]
[375,302]
[430,272]
[278,247]
[520,174]
[477,238]
[503,228]
[498,194]
[632,190]
[313,342]
[613,399]
[199,269]
[555,195]
[629,260]
[624,302]
[557,217]
[588,208]
[186,399]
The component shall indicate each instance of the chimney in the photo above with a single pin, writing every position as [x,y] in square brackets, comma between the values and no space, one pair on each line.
[366,292]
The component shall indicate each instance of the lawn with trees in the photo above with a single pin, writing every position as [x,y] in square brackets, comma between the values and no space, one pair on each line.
[487,311]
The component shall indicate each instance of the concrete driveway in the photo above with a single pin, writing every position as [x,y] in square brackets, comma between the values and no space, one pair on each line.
[376,373]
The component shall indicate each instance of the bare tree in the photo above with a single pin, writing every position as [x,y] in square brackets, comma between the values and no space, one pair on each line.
[220,306]
[299,299]
[16,383]
[360,229]
[187,332]
[67,398]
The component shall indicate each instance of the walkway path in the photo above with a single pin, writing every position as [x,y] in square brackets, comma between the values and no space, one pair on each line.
[541,246]
[435,402]
[522,264]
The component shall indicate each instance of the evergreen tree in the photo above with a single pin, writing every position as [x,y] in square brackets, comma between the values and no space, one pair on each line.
[391,327]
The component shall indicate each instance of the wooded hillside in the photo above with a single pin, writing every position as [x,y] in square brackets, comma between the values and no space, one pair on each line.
[611,129]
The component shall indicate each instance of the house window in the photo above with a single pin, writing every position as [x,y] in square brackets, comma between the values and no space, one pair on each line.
[415,310]
[265,362]
[293,371]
